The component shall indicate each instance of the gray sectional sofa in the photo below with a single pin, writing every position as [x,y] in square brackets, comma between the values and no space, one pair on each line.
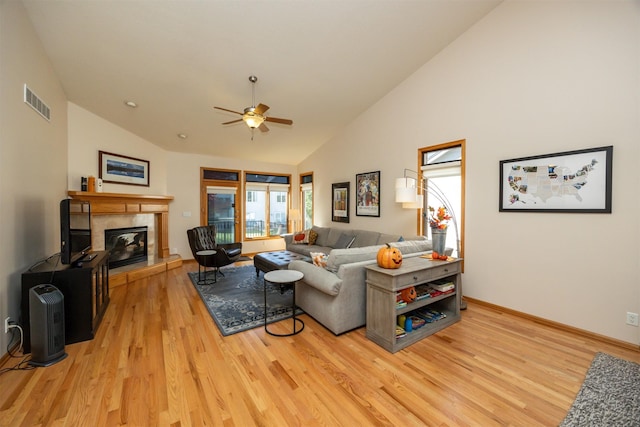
[335,295]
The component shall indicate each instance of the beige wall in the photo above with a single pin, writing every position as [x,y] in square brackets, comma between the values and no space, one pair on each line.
[184,183]
[33,157]
[89,134]
[531,78]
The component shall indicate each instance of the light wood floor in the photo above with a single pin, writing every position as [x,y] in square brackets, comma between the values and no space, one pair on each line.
[159,359]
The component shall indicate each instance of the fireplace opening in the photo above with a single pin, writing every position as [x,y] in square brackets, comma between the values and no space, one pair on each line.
[126,245]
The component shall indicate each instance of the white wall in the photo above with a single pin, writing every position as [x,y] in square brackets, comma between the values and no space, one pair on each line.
[89,134]
[33,157]
[531,78]
[183,181]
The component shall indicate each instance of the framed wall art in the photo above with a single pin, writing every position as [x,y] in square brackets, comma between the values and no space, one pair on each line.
[119,169]
[340,202]
[368,194]
[571,181]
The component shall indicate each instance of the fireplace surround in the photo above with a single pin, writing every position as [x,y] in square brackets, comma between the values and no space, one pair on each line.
[109,205]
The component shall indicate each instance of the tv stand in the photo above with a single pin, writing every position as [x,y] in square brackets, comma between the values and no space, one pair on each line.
[85,287]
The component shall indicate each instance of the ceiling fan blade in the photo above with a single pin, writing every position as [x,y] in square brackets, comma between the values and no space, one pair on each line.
[232,121]
[281,121]
[260,109]
[231,111]
[263,127]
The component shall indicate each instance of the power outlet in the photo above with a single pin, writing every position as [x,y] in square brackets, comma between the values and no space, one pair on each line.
[632,319]
[6,324]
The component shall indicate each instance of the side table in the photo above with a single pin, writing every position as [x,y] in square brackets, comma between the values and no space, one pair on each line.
[283,277]
[206,259]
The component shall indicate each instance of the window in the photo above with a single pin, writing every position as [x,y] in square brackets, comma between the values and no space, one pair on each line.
[266,205]
[306,197]
[220,191]
[442,169]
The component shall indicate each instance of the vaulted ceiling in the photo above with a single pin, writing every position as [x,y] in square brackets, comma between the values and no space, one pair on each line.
[320,63]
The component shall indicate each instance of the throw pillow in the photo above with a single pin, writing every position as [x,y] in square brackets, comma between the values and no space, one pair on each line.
[319,259]
[344,241]
[313,236]
[301,238]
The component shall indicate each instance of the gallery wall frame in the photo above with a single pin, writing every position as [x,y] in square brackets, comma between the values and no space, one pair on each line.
[340,202]
[120,169]
[578,181]
[368,194]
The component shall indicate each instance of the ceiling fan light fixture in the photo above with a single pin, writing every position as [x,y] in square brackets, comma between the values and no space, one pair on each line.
[252,119]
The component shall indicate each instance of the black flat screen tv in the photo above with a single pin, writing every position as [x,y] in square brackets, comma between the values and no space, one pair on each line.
[75,230]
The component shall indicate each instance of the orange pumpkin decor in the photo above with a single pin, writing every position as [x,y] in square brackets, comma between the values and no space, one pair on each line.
[408,294]
[389,257]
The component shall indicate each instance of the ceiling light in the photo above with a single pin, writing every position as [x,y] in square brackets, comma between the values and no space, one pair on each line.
[130,104]
[182,136]
[252,119]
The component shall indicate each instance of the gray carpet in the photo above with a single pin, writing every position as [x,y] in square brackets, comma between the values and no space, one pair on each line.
[609,396]
[236,301]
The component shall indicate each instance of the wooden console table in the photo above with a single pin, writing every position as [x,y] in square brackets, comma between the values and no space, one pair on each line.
[382,311]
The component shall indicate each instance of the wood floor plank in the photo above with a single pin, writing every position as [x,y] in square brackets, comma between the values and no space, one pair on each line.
[159,359]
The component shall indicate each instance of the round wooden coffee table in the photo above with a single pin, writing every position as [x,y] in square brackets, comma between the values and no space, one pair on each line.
[283,277]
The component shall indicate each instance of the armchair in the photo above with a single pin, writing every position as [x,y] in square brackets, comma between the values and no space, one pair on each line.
[204,238]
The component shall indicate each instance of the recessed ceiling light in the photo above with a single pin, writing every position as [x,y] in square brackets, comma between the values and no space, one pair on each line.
[130,104]
[182,135]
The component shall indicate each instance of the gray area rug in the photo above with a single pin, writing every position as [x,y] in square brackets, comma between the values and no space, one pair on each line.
[236,301]
[609,396]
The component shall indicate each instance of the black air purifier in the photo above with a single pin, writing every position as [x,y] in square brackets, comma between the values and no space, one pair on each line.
[46,317]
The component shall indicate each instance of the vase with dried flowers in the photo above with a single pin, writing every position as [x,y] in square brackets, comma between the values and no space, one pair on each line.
[439,221]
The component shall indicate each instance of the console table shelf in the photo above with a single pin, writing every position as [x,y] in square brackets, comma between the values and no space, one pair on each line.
[383,286]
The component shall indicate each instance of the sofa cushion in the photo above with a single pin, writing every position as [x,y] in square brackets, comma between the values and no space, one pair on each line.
[388,238]
[323,235]
[365,238]
[301,238]
[412,246]
[313,236]
[337,257]
[334,235]
[319,259]
[317,277]
[344,241]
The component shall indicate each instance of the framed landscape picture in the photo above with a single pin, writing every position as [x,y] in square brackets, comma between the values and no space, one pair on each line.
[368,194]
[119,169]
[570,181]
[340,202]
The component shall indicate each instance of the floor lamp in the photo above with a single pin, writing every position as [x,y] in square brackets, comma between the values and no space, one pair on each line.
[411,196]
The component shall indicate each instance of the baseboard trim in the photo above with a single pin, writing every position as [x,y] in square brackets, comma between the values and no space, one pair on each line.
[557,325]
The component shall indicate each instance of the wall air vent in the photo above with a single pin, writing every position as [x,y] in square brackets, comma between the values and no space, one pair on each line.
[36,103]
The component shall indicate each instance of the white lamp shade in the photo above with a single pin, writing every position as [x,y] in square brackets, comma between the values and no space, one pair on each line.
[405,195]
[405,183]
[417,204]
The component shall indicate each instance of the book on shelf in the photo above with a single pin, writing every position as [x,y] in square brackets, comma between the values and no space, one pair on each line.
[442,286]
[430,315]
[422,292]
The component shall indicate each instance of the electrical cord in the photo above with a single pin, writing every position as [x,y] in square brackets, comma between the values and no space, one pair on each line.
[23,364]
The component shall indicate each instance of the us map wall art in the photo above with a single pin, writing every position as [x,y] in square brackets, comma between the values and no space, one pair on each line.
[571,181]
